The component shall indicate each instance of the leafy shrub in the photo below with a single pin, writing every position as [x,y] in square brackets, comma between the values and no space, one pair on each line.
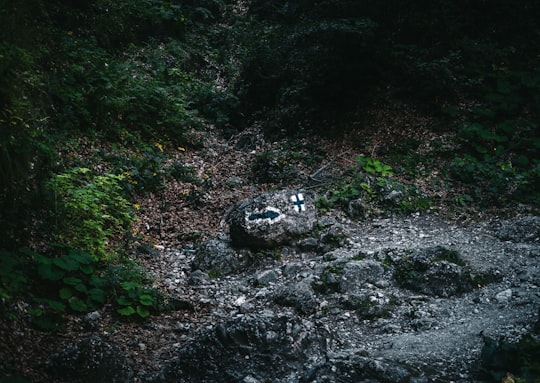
[70,280]
[141,169]
[151,93]
[373,166]
[273,167]
[368,186]
[73,277]
[13,278]
[500,159]
[90,212]
[131,291]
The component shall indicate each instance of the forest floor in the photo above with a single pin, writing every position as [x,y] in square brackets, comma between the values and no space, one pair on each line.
[173,225]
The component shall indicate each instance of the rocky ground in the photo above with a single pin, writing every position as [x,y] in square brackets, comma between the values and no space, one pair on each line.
[388,298]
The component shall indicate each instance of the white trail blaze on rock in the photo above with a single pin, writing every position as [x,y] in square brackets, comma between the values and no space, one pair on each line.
[298,201]
[272,219]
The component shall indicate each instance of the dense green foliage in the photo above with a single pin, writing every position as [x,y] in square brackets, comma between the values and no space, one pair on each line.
[313,54]
[90,211]
[74,281]
[368,187]
[473,65]
[136,77]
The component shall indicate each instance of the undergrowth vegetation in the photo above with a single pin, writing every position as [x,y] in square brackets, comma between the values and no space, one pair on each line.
[311,65]
[368,188]
[96,98]
[93,96]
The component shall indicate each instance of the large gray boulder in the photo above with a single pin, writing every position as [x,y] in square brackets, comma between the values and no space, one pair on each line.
[435,271]
[523,229]
[266,348]
[272,219]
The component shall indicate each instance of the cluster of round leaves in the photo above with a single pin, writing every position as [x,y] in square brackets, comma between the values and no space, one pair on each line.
[77,282]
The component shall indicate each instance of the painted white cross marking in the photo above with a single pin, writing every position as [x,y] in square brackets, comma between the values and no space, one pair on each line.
[298,201]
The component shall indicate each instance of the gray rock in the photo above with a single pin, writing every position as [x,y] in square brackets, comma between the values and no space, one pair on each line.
[435,271]
[299,295]
[292,269]
[356,273]
[524,229]
[92,360]
[250,349]
[358,209]
[308,244]
[504,296]
[217,256]
[92,320]
[265,277]
[272,219]
[355,366]
[198,277]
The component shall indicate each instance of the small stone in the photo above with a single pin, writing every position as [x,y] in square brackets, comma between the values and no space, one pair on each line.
[308,244]
[142,346]
[292,269]
[181,327]
[240,300]
[504,296]
[299,296]
[266,277]
[198,277]
[92,319]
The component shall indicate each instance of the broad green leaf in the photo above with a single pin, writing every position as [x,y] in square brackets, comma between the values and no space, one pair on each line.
[77,304]
[65,293]
[73,281]
[146,300]
[87,269]
[55,305]
[81,288]
[97,295]
[50,272]
[36,312]
[128,286]
[97,281]
[82,257]
[142,311]
[66,263]
[126,311]
[123,301]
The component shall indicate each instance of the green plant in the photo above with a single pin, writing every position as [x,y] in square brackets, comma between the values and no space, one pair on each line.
[90,212]
[14,278]
[131,290]
[214,274]
[371,181]
[74,281]
[274,167]
[142,170]
[500,141]
[374,166]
